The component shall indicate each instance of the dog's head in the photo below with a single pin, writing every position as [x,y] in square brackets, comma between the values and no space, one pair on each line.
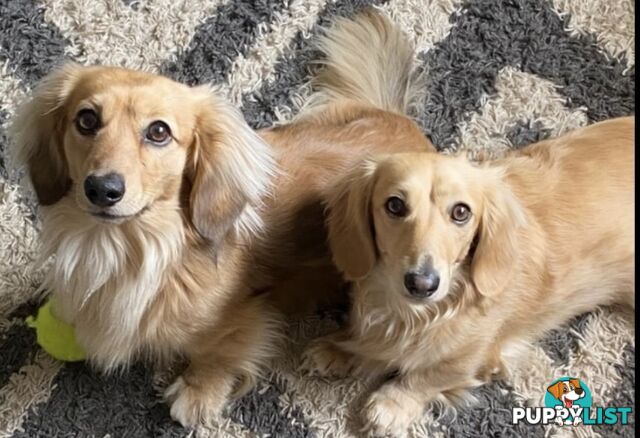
[120,142]
[567,391]
[416,219]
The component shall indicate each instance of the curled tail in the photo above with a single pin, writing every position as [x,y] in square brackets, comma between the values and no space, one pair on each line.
[368,60]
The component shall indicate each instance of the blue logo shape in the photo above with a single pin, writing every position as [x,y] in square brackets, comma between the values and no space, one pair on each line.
[567,392]
[569,396]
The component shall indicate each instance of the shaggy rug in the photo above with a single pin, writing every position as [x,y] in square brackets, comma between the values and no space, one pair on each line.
[500,74]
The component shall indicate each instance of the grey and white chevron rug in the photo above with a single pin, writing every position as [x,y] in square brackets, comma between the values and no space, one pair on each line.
[500,74]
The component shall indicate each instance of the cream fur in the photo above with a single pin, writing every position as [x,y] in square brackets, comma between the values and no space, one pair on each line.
[105,278]
[540,248]
[164,275]
[210,232]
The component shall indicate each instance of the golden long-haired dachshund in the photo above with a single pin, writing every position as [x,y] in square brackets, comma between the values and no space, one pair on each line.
[166,213]
[453,264]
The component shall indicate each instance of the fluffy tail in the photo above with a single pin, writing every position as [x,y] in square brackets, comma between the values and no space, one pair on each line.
[368,60]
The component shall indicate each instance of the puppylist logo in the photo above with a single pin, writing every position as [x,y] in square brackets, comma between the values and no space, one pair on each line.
[568,402]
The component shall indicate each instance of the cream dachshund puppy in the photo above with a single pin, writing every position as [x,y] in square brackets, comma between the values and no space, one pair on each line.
[168,216]
[454,264]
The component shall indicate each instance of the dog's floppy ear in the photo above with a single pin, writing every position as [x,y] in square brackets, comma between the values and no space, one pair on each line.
[230,170]
[501,221]
[351,234]
[575,383]
[556,389]
[38,130]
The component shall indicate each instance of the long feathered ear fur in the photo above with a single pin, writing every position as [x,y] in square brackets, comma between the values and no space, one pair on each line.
[502,219]
[231,170]
[351,235]
[38,130]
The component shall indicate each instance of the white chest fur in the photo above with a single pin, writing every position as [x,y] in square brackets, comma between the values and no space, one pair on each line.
[106,276]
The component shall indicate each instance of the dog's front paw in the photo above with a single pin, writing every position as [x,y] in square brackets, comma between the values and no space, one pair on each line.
[390,411]
[324,358]
[577,420]
[191,405]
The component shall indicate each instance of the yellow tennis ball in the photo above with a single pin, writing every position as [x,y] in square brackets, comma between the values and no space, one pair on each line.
[54,336]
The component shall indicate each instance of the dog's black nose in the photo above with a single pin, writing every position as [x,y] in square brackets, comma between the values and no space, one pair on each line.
[579,391]
[422,285]
[104,191]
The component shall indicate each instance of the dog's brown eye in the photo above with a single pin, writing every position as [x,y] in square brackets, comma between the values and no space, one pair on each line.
[460,213]
[396,207]
[158,133]
[87,122]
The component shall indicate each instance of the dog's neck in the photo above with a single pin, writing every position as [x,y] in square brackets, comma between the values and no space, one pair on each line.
[108,275]
[388,327]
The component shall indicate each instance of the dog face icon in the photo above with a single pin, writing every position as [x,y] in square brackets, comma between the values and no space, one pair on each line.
[567,391]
